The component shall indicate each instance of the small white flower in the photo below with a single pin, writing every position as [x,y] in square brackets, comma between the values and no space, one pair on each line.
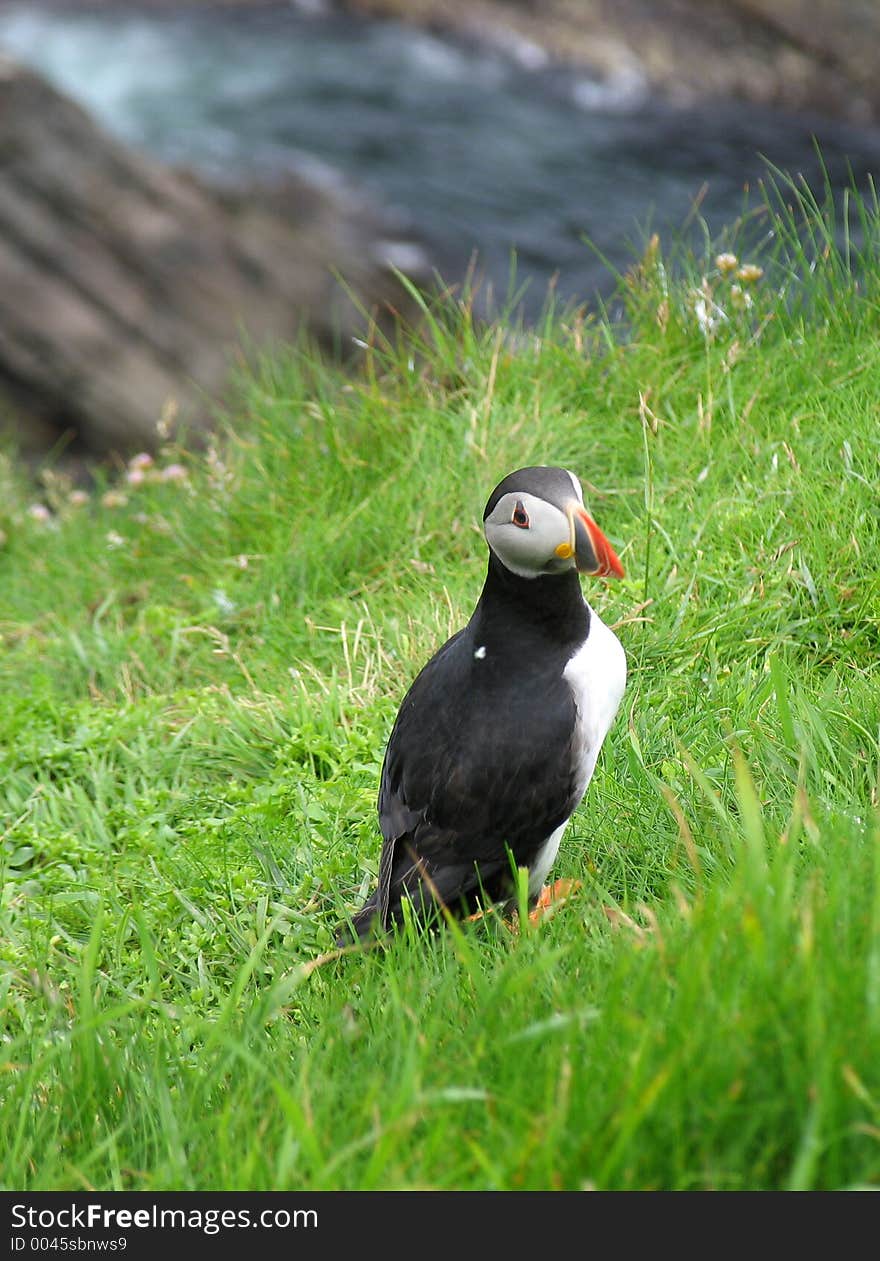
[173,473]
[749,272]
[222,601]
[39,512]
[114,540]
[143,460]
[726,262]
[704,311]
[78,498]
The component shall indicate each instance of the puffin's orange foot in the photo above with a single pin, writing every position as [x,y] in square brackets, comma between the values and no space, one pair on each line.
[551,897]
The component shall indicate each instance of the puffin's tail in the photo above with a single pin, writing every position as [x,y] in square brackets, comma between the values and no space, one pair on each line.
[457,889]
[362,924]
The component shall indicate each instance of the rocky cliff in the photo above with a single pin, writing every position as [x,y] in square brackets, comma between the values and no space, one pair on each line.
[817,55]
[127,290]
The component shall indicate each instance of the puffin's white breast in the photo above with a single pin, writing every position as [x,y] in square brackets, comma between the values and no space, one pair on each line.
[596,675]
[544,860]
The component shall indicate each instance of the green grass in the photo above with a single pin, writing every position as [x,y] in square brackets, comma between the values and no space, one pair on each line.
[196,688]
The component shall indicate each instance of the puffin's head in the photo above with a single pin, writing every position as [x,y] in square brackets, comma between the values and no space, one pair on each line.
[535,523]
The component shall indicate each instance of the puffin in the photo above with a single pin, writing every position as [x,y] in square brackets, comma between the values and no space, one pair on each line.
[497,738]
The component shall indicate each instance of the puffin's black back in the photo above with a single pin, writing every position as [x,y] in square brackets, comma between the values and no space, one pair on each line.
[479,768]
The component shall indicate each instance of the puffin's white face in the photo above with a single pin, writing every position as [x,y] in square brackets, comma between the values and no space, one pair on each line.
[529,536]
[540,526]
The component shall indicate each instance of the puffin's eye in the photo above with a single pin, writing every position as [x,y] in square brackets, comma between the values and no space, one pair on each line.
[520,516]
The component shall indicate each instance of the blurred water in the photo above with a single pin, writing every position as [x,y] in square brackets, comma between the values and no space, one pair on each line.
[475,150]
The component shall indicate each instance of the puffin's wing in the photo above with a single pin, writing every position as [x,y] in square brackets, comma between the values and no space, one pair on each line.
[471,775]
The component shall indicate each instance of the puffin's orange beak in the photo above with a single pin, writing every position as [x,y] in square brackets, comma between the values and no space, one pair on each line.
[593,554]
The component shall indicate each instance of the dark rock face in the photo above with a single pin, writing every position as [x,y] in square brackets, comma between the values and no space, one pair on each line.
[127,290]
[817,55]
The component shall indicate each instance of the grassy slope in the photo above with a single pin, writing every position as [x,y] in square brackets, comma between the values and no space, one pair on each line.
[195,690]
